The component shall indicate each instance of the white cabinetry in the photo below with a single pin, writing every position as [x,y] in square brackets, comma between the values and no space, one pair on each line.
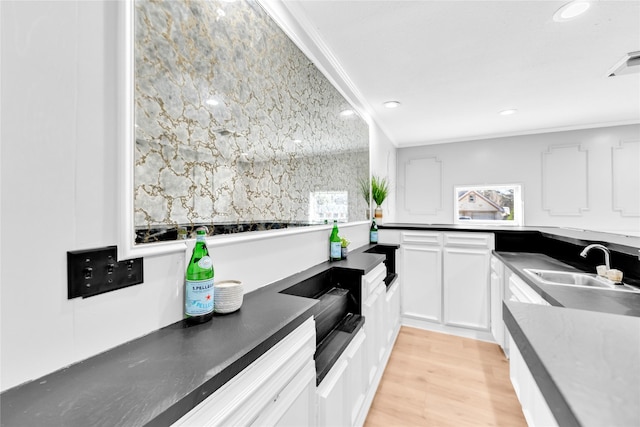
[393,312]
[534,406]
[466,279]
[421,274]
[497,295]
[342,392]
[276,389]
[346,392]
[445,279]
[332,405]
[356,385]
[373,289]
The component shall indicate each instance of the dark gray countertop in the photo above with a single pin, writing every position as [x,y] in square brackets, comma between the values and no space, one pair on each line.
[156,379]
[602,300]
[585,363]
[584,352]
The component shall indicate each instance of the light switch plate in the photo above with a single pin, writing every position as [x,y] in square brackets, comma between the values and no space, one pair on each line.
[92,272]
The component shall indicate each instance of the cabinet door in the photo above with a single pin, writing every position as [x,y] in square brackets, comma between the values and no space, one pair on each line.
[422,282]
[393,310]
[332,407]
[295,404]
[372,310]
[497,325]
[381,322]
[356,384]
[534,406]
[466,287]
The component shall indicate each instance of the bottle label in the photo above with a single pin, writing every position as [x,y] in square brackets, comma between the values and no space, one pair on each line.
[205,262]
[374,237]
[336,250]
[198,298]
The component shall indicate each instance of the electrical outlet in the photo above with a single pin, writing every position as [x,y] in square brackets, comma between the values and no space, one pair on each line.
[96,271]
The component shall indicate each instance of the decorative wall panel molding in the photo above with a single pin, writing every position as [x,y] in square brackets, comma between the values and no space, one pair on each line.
[625,179]
[565,180]
[235,126]
[423,186]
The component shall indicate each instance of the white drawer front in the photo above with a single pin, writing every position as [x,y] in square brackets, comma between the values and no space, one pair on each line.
[425,238]
[373,279]
[476,240]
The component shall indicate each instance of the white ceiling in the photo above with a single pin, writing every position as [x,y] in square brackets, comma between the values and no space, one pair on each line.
[454,65]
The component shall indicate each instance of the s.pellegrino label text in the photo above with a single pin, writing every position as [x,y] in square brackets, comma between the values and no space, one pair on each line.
[336,250]
[199,297]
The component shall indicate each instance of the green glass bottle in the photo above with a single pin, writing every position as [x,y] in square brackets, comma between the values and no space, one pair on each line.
[335,246]
[198,293]
[373,232]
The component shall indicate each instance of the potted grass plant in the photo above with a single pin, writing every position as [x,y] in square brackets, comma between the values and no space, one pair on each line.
[379,192]
[343,247]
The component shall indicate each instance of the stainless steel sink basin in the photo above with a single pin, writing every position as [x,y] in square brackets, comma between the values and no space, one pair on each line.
[583,280]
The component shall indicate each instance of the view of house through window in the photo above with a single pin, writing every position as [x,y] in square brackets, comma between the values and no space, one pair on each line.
[489,204]
[328,205]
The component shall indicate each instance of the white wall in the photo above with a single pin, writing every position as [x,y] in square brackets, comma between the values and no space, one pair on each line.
[383,164]
[568,177]
[58,186]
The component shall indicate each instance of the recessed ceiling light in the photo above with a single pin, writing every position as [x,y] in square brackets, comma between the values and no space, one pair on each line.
[347,113]
[212,101]
[391,104]
[297,141]
[508,112]
[571,10]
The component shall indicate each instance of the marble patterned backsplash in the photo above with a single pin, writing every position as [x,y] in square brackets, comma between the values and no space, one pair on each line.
[234,124]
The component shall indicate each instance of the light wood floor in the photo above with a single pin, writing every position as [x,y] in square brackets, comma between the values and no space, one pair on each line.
[435,379]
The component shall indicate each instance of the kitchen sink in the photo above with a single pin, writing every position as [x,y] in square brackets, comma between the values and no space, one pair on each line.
[583,280]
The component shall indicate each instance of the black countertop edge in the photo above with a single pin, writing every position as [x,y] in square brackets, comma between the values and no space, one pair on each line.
[555,400]
[629,245]
[600,300]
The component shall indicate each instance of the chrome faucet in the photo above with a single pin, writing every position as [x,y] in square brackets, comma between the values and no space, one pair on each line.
[604,249]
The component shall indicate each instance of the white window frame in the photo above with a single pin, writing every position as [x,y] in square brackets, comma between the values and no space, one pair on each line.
[518,205]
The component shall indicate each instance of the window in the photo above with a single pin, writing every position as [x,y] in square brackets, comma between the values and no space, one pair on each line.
[328,205]
[488,204]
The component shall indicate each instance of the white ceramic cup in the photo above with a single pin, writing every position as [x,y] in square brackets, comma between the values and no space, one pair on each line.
[233,295]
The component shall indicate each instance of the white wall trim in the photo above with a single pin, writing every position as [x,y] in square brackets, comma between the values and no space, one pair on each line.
[552,176]
[470,138]
[432,210]
[620,184]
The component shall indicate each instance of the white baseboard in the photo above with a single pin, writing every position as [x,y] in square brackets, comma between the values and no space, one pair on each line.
[451,330]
